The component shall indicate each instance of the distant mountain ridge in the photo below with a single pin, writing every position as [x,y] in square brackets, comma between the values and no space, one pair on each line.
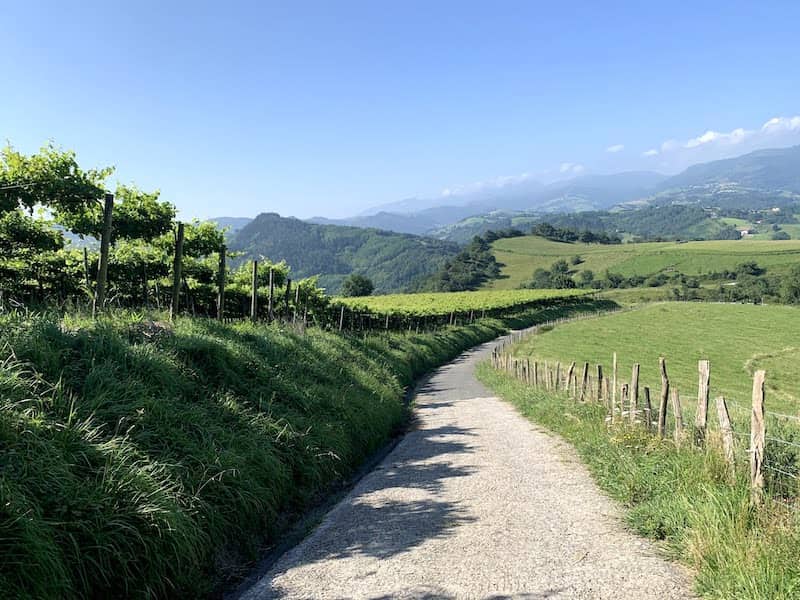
[756,180]
[393,261]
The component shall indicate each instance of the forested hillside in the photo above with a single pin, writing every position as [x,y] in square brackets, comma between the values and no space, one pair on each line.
[393,261]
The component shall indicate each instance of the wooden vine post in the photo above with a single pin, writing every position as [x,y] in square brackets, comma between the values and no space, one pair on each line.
[177,265]
[758,436]
[662,405]
[286,297]
[341,318]
[726,430]
[254,292]
[221,284]
[270,301]
[105,245]
[701,416]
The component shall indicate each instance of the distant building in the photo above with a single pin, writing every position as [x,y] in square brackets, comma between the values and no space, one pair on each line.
[745,231]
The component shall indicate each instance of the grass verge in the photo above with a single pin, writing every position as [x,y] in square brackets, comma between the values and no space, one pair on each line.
[141,459]
[677,496]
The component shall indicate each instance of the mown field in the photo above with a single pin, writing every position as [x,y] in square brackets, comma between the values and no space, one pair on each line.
[141,458]
[428,304]
[737,339]
[522,255]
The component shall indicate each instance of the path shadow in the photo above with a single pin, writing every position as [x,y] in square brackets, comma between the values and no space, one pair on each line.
[376,525]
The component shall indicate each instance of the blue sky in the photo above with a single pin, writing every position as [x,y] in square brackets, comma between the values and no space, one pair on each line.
[327,108]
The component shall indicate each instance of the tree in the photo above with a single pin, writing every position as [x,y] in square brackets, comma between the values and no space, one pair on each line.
[790,286]
[356,285]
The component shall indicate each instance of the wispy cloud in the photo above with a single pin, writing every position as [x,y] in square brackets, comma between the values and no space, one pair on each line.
[571,168]
[770,129]
[478,186]
[615,148]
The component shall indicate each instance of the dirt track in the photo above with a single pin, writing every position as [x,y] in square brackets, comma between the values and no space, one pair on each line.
[475,502]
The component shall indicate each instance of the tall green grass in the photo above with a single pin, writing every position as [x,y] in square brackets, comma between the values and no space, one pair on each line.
[680,497]
[142,459]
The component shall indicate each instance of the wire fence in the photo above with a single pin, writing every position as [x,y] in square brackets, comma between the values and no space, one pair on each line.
[767,441]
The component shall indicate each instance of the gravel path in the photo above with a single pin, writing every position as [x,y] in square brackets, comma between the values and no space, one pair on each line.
[474,502]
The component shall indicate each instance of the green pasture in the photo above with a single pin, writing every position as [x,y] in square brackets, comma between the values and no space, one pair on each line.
[737,339]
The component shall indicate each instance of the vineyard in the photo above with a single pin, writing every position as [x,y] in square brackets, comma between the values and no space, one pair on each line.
[439,304]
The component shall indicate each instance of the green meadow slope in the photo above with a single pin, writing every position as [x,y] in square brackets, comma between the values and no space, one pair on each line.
[737,338]
[521,256]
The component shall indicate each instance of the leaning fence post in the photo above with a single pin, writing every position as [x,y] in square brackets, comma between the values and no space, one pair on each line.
[341,318]
[570,374]
[584,381]
[701,416]
[662,405]
[757,439]
[726,429]
[634,391]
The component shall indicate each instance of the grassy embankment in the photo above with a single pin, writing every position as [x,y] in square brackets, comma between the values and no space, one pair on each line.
[523,255]
[141,460]
[682,497]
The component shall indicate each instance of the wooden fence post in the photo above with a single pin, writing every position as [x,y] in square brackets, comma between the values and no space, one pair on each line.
[757,440]
[570,375]
[614,381]
[584,381]
[558,377]
[648,409]
[676,408]
[599,382]
[177,265]
[623,400]
[254,292]
[701,416]
[726,429]
[221,284]
[662,405]
[286,298]
[341,318]
[105,245]
[634,392]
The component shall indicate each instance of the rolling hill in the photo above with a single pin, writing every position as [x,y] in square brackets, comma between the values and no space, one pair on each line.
[520,256]
[393,261]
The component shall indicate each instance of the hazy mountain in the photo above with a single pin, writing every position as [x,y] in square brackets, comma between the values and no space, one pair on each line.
[394,261]
[590,192]
[767,170]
